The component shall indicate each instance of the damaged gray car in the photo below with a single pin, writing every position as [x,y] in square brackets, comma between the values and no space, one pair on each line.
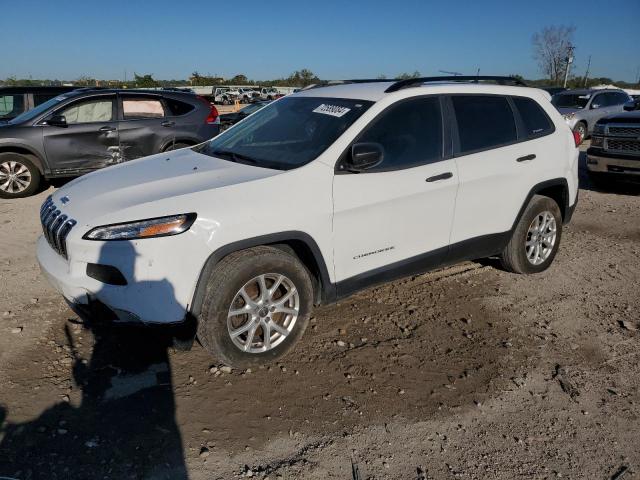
[87,129]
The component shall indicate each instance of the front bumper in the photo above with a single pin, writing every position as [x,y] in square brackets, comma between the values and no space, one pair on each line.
[599,163]
[144,299]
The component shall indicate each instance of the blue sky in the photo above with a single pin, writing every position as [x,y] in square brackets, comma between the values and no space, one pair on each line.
[335,39]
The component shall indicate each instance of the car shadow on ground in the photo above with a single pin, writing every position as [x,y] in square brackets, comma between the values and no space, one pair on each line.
[611,186]
[123,425]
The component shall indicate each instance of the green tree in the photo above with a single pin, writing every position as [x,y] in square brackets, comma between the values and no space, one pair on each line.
[407,76]
[145,81]
[239,79]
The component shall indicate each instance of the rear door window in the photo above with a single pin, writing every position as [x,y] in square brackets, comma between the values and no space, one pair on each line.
[141,107]
[536,122]
[484,122]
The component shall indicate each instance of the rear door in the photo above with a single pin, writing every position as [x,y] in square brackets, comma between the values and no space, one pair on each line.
[496,172]
[143,127]
[90,138]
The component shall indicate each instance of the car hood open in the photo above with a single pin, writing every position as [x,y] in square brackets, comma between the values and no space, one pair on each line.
[151,180]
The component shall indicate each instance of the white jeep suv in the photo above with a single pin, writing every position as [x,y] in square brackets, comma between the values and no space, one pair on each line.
[318,195]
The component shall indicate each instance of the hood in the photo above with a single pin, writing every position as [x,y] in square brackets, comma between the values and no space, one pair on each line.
[624,117]
[565,111]
[152,180]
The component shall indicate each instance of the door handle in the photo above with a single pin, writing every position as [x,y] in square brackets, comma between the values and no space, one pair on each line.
[106,129]
[168,124]
[526,158]
[442,176]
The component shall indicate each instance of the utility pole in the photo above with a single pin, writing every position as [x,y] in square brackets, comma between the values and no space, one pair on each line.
[569,61]
[586,75]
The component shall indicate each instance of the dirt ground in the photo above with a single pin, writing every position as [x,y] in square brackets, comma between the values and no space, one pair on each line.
[468,372]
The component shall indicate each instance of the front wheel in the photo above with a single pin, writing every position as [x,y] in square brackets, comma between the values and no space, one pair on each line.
[19,177]
[256,307]
[535,240]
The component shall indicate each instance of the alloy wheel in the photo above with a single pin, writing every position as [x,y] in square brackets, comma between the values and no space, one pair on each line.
[541,238]
[15,177]
[263,313]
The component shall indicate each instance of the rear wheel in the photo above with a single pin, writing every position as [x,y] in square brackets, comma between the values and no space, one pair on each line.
[536,238]
[19,177]
[256,307]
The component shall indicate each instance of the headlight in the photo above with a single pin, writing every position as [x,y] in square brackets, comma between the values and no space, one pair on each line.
[598,129]
[569,116]
[597,141]
[153,227]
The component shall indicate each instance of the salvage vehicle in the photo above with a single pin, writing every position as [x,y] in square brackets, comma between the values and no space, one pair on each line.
[17,100]
[84,130]
[271,93]
[614,153]
[229,119]
[316,196]
[583,108]
[246,95]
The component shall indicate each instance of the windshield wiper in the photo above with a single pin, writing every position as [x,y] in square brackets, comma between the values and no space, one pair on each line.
[235,157]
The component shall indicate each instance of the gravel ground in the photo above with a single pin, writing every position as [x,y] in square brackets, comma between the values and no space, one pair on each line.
[468,372]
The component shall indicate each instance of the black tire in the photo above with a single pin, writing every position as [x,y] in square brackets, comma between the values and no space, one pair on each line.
[16,162]
[581,129]
[176,146]
[514,257]
[227,279]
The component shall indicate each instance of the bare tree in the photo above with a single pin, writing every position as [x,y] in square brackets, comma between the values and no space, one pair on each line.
[550,49]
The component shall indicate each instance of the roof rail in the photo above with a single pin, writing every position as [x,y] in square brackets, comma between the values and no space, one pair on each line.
[327,83]
[415,82]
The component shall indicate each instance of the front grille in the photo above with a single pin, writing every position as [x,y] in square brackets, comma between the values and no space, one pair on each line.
[55,226]
[625,131]
[623,145]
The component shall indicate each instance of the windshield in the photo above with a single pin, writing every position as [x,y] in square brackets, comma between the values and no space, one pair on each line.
[288,133]
[254,107]
[43,107]
[566,100]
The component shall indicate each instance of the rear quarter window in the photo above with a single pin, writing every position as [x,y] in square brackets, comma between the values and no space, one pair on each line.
[535,120]
[177,108]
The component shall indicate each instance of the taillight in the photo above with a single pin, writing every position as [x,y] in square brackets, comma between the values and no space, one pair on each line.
[577,138]
[214,117]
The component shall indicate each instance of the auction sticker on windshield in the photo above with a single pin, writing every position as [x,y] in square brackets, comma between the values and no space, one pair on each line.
[333,110]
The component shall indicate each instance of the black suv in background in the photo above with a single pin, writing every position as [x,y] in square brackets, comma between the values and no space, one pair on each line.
[17,100]
[615,146]
[84,130]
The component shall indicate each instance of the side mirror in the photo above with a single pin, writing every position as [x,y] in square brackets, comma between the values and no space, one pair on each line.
[365,156]
[57,121]
[631,105]
[595,105]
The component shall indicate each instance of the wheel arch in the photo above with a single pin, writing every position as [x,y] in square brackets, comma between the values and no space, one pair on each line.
[169,142]
[300,244]
[557,189]
[23,150]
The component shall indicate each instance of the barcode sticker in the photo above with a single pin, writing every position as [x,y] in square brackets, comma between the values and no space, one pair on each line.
[333,110]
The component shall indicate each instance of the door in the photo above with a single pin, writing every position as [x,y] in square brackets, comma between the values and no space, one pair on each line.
[496,171]
[143,127]
[88,137]
[396,217]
